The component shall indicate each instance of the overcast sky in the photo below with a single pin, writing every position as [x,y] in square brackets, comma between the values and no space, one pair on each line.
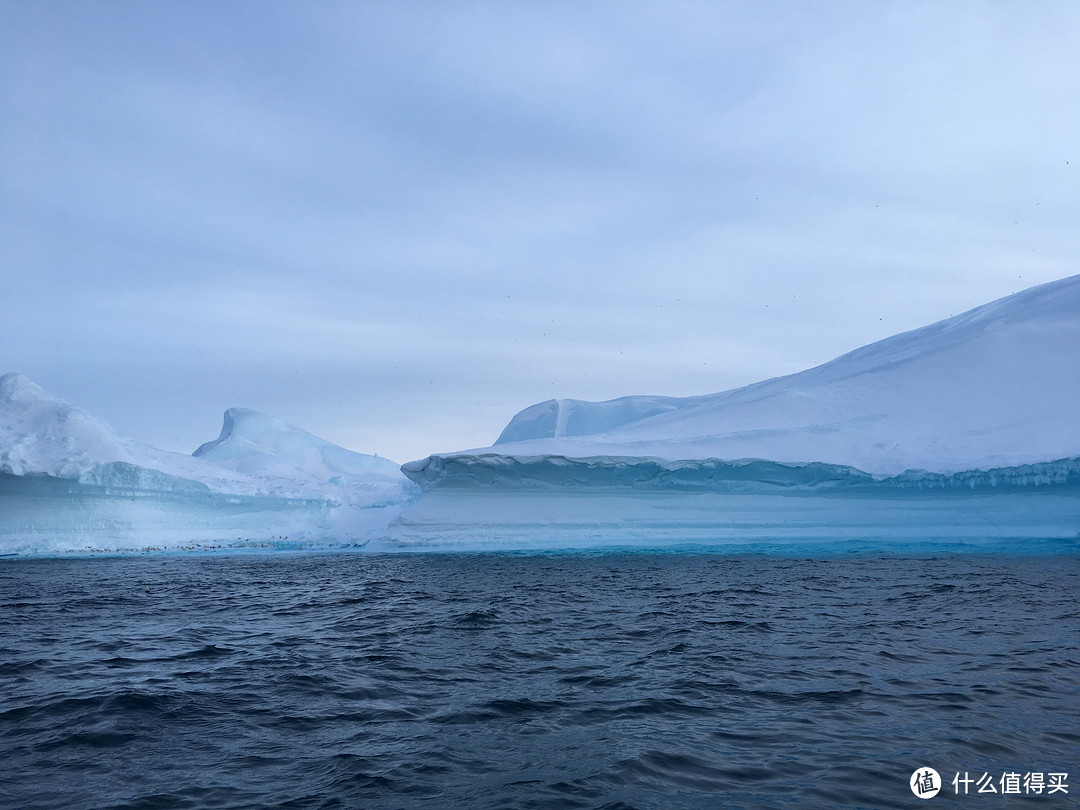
[395,224]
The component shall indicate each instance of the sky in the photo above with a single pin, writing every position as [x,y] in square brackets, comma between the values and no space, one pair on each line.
[396,224]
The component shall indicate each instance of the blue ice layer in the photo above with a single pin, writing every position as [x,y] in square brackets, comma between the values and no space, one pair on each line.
[491,502]
[464,470]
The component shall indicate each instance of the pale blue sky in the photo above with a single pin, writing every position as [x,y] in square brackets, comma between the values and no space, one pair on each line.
[396,224]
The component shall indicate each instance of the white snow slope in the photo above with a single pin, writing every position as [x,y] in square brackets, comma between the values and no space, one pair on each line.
[42,434]
[69,482]
[289,461]
[996,386]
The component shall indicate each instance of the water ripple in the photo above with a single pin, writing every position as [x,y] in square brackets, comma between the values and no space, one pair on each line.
[545,681]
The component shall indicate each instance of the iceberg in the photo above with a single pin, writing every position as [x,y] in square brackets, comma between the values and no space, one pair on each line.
[69,483]
[961,432]
[993,387]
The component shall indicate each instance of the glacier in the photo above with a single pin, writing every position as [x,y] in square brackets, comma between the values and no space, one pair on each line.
[962,433]
[69,483]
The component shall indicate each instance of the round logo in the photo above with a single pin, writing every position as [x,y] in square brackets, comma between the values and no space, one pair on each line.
[925,783]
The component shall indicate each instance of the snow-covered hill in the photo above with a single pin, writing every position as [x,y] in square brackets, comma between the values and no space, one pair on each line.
[993,387]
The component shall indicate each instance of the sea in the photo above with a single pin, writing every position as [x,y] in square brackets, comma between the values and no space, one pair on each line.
[560,680]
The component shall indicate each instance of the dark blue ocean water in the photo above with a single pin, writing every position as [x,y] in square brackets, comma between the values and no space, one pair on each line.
[534,681]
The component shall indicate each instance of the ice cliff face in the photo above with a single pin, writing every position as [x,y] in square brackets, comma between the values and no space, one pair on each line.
[993,387]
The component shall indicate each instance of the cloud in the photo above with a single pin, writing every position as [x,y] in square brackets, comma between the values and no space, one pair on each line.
[396,224]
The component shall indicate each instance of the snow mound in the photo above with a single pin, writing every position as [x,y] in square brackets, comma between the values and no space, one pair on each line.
[292,460]
[996,386]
